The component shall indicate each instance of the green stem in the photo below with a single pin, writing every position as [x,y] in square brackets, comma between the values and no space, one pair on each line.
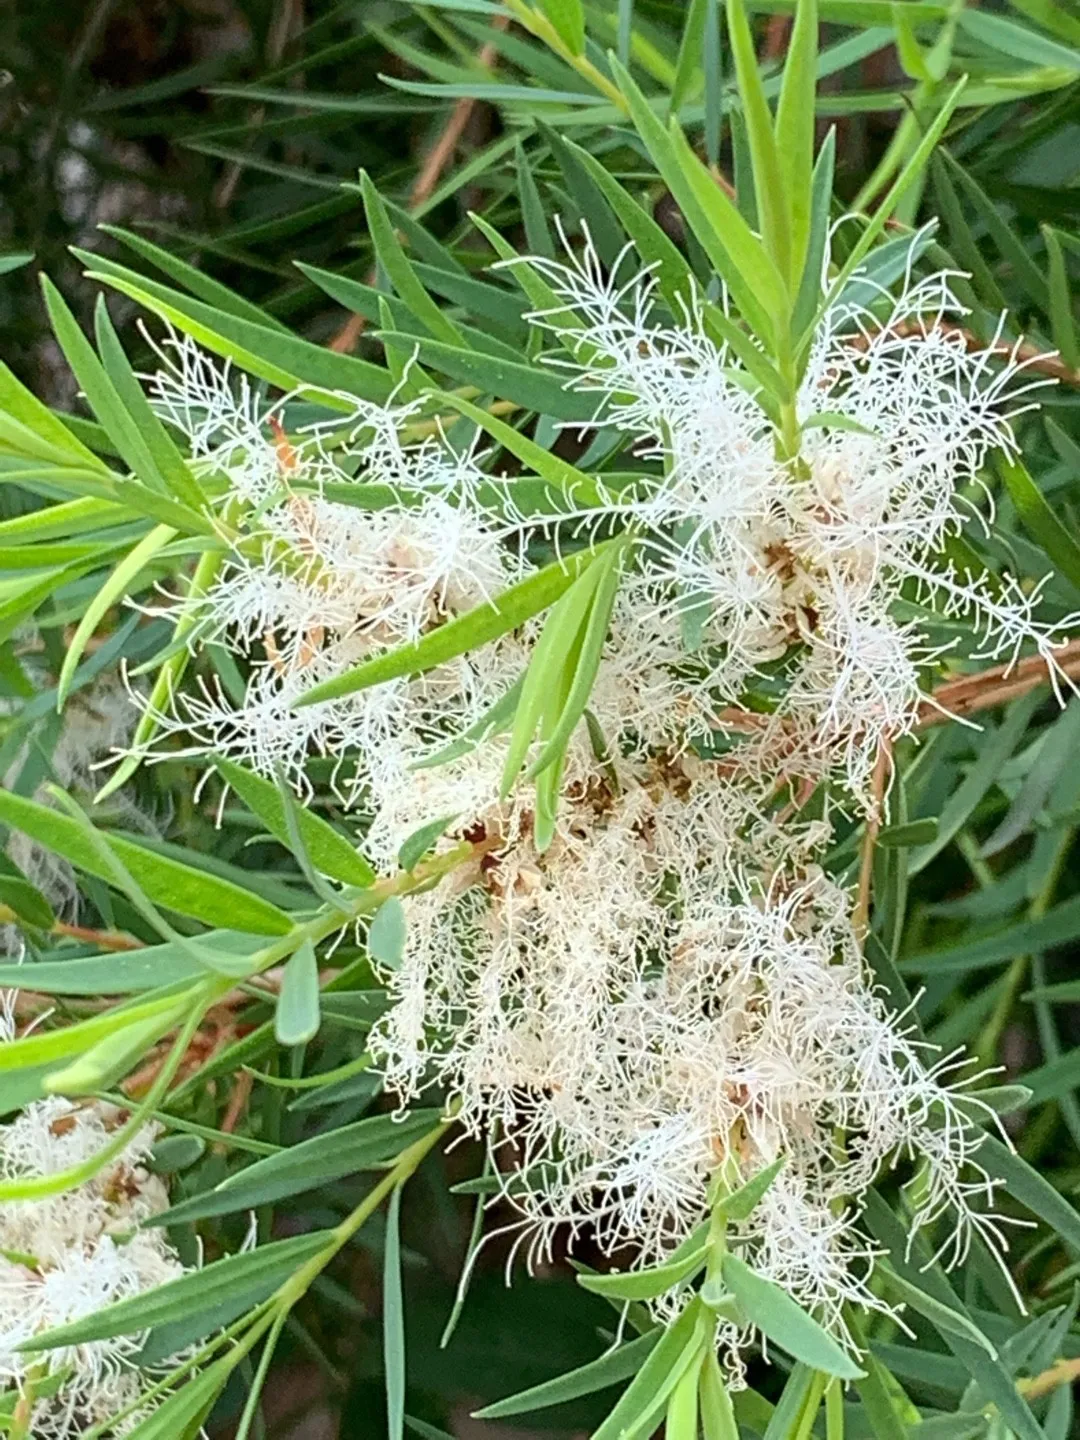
[541,27]
[403,1167]
[259,1378]
[24,1409]
[834,1411]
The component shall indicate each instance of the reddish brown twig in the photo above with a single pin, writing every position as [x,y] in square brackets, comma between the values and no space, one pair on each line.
[861,914]
[954,699]
[1062,1372]
[989,688]
[105,939]
[776,37]
[241,1093]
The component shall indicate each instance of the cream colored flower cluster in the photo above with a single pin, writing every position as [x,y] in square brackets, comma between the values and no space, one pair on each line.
[67,1256]
[674,984]
[674,987]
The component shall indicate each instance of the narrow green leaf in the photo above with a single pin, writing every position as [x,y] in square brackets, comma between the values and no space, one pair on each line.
[493,722]
[1018,41]
[415,846]
[296,1016]
[690,63]
[911,172]
[181,1415]
[914,832]
[588,197]
[779,1318]
[681,1422]
[1063,325]
[169,467]
[329,850]
[568,19]
[610,1369]
[876,1391]
[38,420]
[993,1379]
[552,654]
[1033,1190]
[821,195]
[41,1047]
[115,589]
[753,280]
[529,386]
[387,932]
[399,268]
[114,1055]
[996,747]
[647,1393]
[486,622]
[718,1420]
[770,179]
[575,490]
[555,737]
[646,1284]
[740,1204]
[283,360]
[197,281]
[1058,926]
[27,901]
[177,887]
[393,1308]
[99,390]
[1040,521]
[1057,750]
[348,1150]
[537,233]
[126,972]
[795,134]
[944,1318]
[1011,245]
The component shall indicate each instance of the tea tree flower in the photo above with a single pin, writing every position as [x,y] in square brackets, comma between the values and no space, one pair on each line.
[67,1256]
[313,585]
[815,561]
[672,989]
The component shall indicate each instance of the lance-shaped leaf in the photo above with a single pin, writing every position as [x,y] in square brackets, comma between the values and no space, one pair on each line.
[365,1145]
[486,622]
[781,1320]
[296,1015]
[1040,521]
[609,1369]
[943,1317]
[911,172]
[752,278]
[554,654]
[167,882]
[169,467]
[771,183]
[329,850]
[114,590]
[795,135]
[647,1284]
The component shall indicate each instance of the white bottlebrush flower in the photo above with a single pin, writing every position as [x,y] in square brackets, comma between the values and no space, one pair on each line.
[804,558]
[65,1257]
[674,987]
[315,585]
